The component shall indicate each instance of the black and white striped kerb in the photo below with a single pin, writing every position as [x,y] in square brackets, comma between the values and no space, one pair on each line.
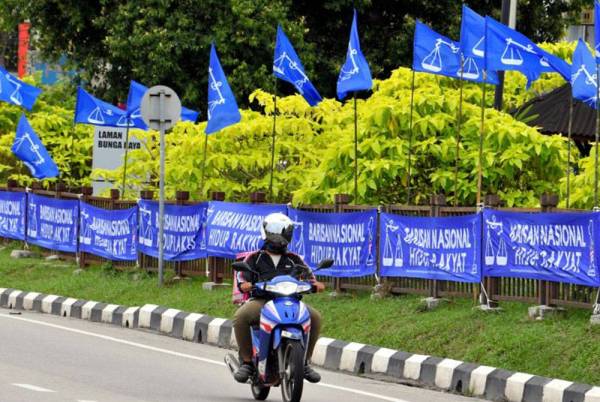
[69,307]
[356,358]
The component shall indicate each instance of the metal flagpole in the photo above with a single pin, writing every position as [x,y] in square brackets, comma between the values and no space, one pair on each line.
[355,152]
[125,159]
[203,165]
[481,135]
[569,149]
[273,142]
[597,139]
[458,129]
[410,135]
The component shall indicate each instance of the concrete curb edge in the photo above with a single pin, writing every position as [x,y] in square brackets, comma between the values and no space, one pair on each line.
[355,358]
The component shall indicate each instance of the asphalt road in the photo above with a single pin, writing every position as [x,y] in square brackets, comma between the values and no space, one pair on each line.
[46,358]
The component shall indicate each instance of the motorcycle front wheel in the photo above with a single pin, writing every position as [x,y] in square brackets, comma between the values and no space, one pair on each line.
[260,393]
[293,378]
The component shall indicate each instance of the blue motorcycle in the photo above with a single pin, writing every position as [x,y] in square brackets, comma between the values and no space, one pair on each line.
[280,342]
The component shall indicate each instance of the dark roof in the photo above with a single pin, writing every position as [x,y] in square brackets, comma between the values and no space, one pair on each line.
[551,112]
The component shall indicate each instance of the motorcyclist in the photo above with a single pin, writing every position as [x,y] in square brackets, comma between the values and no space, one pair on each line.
[270,261]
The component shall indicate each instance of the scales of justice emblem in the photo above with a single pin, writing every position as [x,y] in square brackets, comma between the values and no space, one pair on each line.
[512,55]
[85,237]
[279,67]
[25,139]
[433,61]
[216,87]
[146,226]
[32,223]
[590,80]
[15,96]
[592,269]
[396,257]
[469,69]
[347,74]
[96,116]
[495,257]
[206,214]
[370,255]
[298,243]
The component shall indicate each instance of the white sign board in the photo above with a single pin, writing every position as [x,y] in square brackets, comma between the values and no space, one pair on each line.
[109,151]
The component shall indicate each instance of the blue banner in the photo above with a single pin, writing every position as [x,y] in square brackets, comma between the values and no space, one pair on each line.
[111,234]
[288,67]
[583,75]
[546,246]
[222,107]
[12,215]
[184,230]
[430,248]
[434,53]
[52,223]
[29,148]
[17,92]
[233,228]
[350,239]
[355,74]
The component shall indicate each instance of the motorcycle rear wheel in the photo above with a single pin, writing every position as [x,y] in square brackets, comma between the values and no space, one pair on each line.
[293,378]
[260,393]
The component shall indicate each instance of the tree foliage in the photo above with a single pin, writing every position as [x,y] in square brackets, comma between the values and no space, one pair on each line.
[315,149]
[167,41]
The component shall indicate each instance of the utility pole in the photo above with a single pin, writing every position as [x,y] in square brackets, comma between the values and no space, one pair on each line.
[509,17]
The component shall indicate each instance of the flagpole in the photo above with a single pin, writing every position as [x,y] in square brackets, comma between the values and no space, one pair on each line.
[273,141]
[481,135]
[410,135]
[203,166]
[597,139]
[458,132]
[355,152]
[569,149]
[125,159]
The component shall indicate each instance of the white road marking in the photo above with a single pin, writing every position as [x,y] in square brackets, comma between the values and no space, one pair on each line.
[359,392]
[33,387]
[173,353]
[85,400]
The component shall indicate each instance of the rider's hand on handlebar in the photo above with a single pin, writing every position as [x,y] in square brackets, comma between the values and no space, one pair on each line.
[246,287]
[318,286]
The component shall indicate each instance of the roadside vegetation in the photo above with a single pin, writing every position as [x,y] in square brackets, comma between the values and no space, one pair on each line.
[567,348]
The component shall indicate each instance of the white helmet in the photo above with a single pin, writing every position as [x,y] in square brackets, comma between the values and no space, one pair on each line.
[277,230]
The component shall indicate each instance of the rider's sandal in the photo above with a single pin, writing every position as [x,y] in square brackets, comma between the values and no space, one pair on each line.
[243,373]
[311,375]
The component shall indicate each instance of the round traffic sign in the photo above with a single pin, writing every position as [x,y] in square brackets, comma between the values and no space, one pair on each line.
[160,108]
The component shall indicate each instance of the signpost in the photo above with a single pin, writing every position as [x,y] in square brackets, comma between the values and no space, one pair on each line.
[161,110]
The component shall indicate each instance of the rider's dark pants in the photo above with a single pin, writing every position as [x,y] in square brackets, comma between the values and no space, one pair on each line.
[249,314]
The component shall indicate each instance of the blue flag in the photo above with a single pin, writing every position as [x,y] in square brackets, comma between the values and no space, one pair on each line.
[91,110]
[584,82]
[15,91]
[222,107]
[507,49]
[355,74]
[28,147]
[189,114]
[288,67]
[434,53]
[597,30]
[472,47]
[134,104]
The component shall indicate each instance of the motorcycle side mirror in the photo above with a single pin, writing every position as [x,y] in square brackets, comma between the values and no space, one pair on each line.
[326,263]
[241,266]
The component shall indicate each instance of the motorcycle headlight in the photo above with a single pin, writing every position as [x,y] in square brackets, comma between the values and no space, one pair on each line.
[304,288]
[283,288]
